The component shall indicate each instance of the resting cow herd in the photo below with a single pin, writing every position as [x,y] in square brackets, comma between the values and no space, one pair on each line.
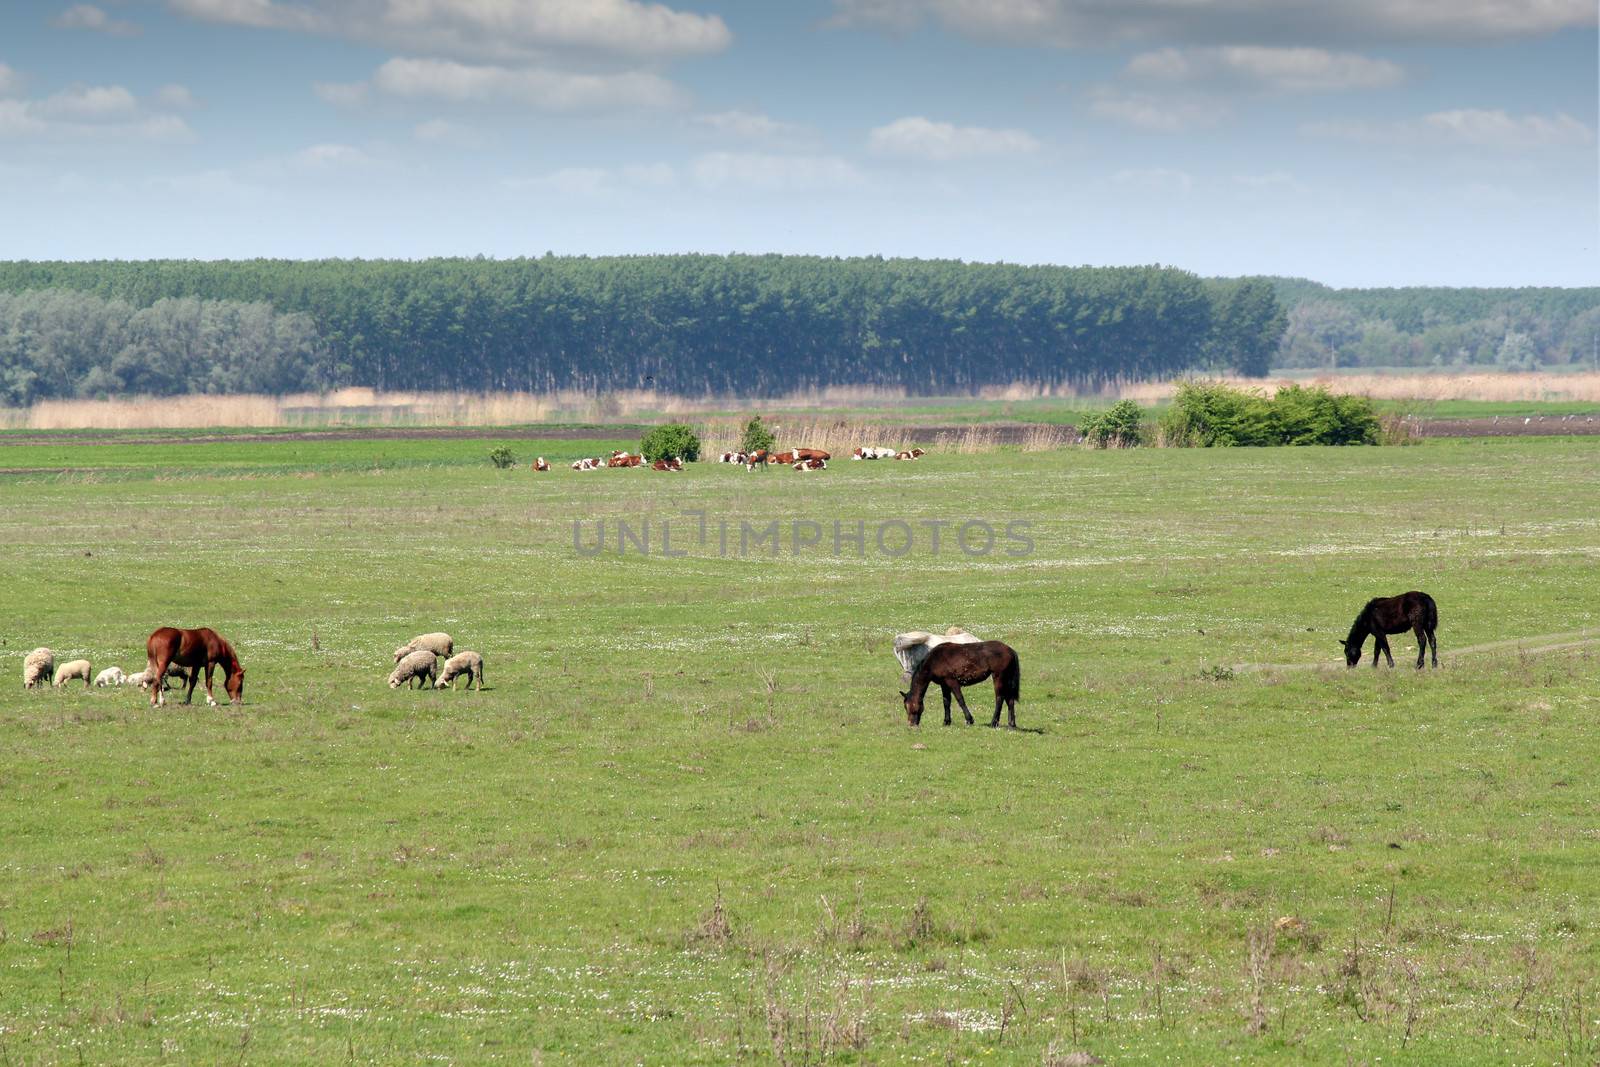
[799,459]
[951,660]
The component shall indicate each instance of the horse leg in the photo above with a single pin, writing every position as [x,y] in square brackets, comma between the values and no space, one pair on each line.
[194,678]
[211,701]
[1387,654]
[963,702]
[944,691]
[158,671]
[1433,645]
[1422,645]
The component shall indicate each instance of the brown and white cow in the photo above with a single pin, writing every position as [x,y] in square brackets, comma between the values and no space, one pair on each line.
[625,459]
[812,453]
[733,457]
[673,464]
[784,458]
[588,464]
[872,452]
[540,465]
[757,459]
[811,464]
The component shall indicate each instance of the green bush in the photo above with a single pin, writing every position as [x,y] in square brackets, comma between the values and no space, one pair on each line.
[501,457]
[1213,415]
[1314,416]
[756,437]
[673,439]
[1119,426]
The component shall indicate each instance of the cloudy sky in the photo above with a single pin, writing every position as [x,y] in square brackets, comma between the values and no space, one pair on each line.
[1358,142]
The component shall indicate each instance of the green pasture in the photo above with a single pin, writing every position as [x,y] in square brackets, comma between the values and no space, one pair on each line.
[686,821]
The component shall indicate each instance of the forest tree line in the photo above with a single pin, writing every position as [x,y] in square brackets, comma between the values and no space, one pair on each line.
[694,324]
[699,324]
[1511,329]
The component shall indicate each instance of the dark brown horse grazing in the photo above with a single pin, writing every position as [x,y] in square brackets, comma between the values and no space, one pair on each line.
[952,666]
[194,649]
[1394,615]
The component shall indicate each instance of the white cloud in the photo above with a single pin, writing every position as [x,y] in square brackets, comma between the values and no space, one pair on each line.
[89,17]
[88,103]
[1155,179]
[500,30]
[323,158]
[10,80]
[600,181]
[262,14]
[1492,129]
[546,90]
[177,97]
[1154,112]
[1079,23]
[90,113]
[747,125]
[342,94]
[1254,66]
[442,131]
[771,172]
[922,138]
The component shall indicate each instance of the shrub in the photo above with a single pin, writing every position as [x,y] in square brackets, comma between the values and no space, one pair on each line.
[1119,426]
[756,437]
[673,439]
[501,457]
[1314,416]
[1212,414]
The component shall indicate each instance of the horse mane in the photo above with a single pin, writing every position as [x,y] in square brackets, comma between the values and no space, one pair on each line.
[1363,624]
[229,659]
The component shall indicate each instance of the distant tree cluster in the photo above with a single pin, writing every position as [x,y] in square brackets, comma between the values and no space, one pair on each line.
[1513,329]
[694,324]
[57,343]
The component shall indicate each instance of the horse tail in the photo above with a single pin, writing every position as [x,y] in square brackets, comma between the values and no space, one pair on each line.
[1013,677]
[1430,613]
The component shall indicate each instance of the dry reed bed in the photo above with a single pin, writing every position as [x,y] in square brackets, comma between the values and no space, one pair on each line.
[368,407]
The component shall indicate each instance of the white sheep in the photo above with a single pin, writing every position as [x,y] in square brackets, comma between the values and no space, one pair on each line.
[111,676]
[913,647]
[142,678]
[437,643]
[416,667]
[68,672]
[467,663]
[38,668]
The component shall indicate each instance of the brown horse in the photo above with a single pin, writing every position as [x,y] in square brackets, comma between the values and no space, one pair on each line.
[952,666]
[1394,615]
[194,649]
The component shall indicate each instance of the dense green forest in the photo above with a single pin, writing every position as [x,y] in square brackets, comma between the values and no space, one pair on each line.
[700,324]
[1514,329]
[691,324]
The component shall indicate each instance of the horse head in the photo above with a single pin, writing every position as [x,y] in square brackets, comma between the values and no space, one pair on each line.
[234,684]
[1352,652]
[913,709]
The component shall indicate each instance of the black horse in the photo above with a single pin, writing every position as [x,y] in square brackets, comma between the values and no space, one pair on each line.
[951,666]
[1394,615]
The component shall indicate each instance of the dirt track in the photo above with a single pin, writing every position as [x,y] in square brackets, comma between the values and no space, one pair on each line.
[1004,433]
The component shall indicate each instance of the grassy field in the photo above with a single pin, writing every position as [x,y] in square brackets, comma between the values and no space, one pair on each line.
[686,822]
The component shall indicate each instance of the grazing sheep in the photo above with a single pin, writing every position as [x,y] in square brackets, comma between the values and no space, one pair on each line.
[68,672]
[912,648]
[467,663]
[142,679]
[417,667]
[437,643]
[111,676]
[38,668]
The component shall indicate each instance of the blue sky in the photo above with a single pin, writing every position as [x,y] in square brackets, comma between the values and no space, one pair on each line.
[1363,142]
